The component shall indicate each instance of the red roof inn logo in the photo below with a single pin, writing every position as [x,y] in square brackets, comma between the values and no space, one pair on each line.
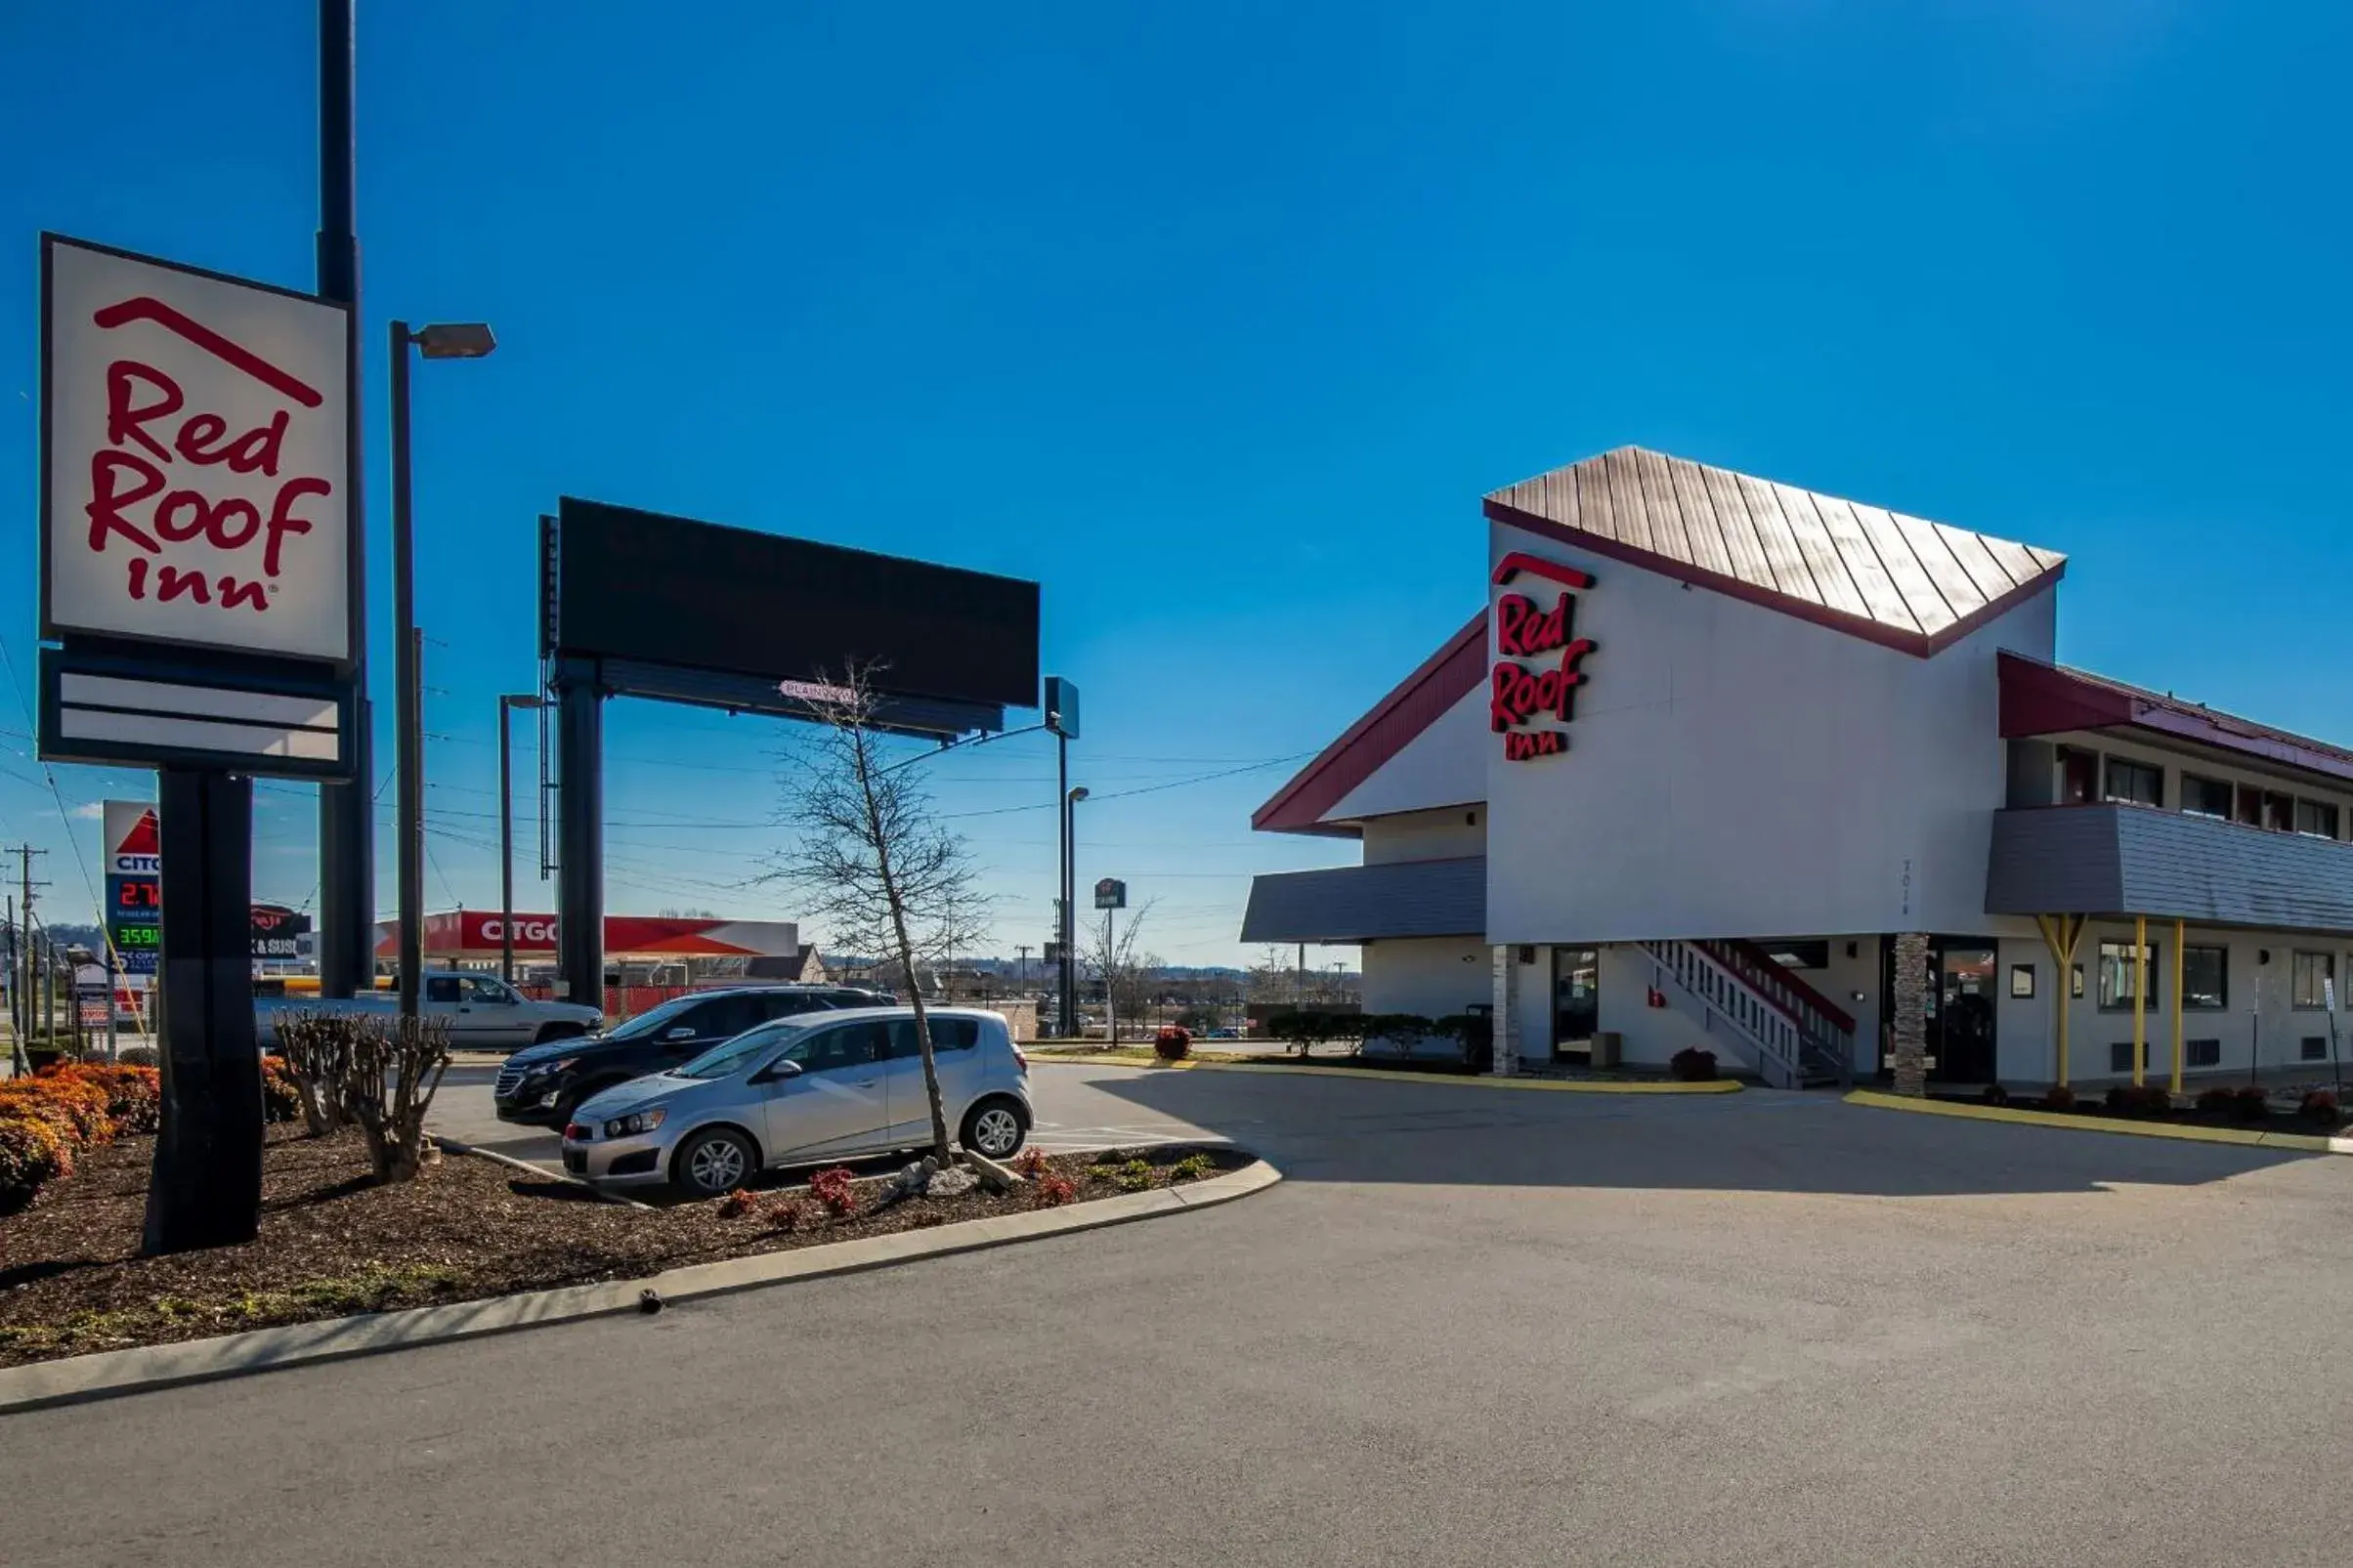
[1518,694]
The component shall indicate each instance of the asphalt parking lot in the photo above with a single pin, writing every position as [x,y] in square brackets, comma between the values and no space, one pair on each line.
[1475,1326]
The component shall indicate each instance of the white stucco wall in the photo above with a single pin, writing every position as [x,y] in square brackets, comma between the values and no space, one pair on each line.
[1442,766]
[1448,834]
[1433,976]
[1737,771]
[2258,1008]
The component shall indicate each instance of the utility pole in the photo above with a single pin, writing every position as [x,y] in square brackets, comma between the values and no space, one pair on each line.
[16,994]
[25,980]
[1021,974]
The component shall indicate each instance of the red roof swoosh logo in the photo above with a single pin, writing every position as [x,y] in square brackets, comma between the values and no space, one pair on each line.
[147,308]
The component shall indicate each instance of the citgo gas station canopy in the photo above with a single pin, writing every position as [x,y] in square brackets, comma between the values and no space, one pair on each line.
[480,934]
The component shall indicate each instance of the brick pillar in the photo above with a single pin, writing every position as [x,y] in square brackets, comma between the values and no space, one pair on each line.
[1909,1022]
[1507,1017]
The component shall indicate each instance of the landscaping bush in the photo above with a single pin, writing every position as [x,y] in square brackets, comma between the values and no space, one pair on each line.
[1692,1064]
[2220,1100]
[1402,1031]
[281,1095]
[134,1094]
[2319,1108]
[1173,1044]
[1474,1034]
[378,1071]
[1055,1191]
[1995,1094]
[139,1056]
[2058,1097]
[46,1120]
[789,1212]
[833,1188]
[736,1204]
[33,1151]
[2248,1103]
[1030,1164]
[1307,1028]
[2138,1099]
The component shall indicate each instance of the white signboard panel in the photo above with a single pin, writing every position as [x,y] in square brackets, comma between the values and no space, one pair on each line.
[196,473]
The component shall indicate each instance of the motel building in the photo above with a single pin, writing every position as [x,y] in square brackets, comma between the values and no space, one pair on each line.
[1728,764]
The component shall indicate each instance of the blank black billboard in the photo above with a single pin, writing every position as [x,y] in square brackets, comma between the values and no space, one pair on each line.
[667,590]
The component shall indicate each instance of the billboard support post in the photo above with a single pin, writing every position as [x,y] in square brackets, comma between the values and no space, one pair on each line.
[579,832]
[508,702]
[207,1185]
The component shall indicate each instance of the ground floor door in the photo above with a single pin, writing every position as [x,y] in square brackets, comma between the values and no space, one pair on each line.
[1577,999]
[1960,999]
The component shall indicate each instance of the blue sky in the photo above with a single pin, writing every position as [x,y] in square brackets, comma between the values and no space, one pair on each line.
[1219,319]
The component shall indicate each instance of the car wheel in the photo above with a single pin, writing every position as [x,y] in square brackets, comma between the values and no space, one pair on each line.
[995,1128]
[714,1161]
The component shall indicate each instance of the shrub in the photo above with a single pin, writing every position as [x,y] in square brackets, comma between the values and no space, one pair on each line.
[281,1095]
[1995,1094]
[134,1094]
[2248,1103]
[2138,1099]
[1173,1044]
[834,1190]
[2319,1108]
[2220,1100]
[1692,1064]
[1474,1034]
[33,1151]
[380,1073]
[1193,1167]
[140,1056]
[2058,1097]
[1030,1164]
[736,1204]
[789,1212]
[1055,1191]
[1133,1177]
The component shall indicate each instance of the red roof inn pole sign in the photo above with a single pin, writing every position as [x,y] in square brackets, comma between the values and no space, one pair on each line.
[195,518]
[1517,695]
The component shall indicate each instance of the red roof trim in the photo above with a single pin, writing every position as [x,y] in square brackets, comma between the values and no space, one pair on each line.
[1443,679]
[1920,645]
[2039,698]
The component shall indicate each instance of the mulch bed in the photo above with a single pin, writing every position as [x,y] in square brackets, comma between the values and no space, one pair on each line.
[2276,1120]
[332,1243]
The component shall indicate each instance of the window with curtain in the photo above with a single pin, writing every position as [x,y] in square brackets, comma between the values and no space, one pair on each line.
[2115,974]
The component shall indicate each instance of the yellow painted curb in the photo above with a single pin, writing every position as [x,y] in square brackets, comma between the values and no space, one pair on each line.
[1719,1085]
[2307,1142]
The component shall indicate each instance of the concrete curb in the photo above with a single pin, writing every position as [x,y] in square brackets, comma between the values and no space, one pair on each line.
[74,1380]
[2303,1142]
[1556,1085]
[452,1146]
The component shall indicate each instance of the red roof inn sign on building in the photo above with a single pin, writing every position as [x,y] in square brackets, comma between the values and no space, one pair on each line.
[195,556]
[1517,695]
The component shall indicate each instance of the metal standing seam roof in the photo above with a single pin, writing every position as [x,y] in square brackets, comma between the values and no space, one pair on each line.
[1897,579]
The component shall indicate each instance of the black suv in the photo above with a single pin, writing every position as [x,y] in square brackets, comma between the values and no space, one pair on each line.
[539,1084]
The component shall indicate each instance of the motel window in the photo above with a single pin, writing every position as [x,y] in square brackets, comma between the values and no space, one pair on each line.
[2201,1054]
[2115,974]
[2078,776]
[2313,972]
[2135,784]
[2205,977]
[2317,817]
[2278,811]
[2314,1048]
[2205,797]
[2250,808]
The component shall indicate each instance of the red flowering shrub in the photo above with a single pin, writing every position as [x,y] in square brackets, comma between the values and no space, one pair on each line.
[2250,1103]
[2058,1097]
[788,1214]
[736,1204]
[1173,1042]
[33,1151]
[1030,1164]
[832,1188]
[281,1094]
[134,1094]
[1055,1191]
[2319,1108]
[1692,1064]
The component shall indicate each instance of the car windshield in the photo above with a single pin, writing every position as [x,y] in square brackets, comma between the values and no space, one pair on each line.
[653,1019]
[740,1052]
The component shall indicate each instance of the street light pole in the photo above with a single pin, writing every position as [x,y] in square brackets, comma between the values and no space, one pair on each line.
[469,340]
[1070,920]
[507,703]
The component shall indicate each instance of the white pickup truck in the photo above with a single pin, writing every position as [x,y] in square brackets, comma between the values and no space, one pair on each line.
[484,1011]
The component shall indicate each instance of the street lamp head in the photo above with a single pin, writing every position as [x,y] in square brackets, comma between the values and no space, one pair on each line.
[1078,793]
[522,699]
[455,340]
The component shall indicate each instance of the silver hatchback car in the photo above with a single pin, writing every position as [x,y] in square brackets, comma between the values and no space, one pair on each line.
[815,1087]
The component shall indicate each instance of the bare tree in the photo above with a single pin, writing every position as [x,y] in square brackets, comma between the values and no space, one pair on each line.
[1111,957]
[871,863]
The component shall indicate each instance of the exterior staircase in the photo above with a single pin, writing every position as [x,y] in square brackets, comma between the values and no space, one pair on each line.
[1796,1036]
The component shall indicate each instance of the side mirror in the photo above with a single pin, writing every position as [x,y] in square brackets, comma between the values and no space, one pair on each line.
[679,1032]
[777,1072]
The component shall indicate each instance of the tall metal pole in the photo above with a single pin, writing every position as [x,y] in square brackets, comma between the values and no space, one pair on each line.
[409,836]
[1068,1014]
[506,845]
[347,881]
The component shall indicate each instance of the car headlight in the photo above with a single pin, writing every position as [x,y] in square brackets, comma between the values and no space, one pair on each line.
[540,1067]
[636,1122]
